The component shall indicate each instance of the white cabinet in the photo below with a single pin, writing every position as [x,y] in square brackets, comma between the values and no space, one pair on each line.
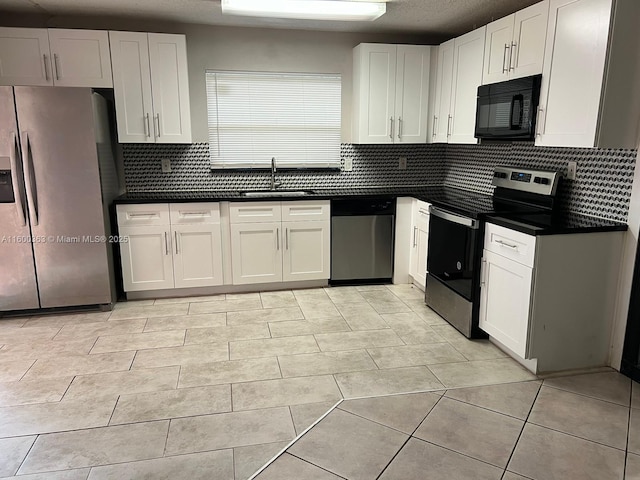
[419,243]
[514,45]
[67,58]
[458,78]
[151,87]
[170,246]
[279,241]
[391,87]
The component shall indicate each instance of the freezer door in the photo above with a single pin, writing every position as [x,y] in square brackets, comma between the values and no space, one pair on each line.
[63,191]
[18,288]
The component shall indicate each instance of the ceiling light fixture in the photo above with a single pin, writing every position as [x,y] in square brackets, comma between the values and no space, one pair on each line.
[306,9]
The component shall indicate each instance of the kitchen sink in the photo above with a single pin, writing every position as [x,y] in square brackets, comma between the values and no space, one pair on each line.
[276,193]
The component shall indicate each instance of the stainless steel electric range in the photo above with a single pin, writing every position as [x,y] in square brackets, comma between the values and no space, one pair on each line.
[456,234]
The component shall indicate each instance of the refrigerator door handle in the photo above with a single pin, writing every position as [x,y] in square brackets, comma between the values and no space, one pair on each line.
[32,196]
[13,158]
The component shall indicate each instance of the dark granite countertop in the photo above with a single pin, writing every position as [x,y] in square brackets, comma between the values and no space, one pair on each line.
[556,224]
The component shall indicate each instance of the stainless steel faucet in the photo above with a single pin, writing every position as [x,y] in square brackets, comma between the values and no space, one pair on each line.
[274,185]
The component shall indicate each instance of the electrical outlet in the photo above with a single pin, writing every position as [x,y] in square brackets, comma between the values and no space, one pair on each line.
[402,163]
[166,165]
[348,164]
[572,168]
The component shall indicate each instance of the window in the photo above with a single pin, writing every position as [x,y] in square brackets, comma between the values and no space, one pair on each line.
[254,116]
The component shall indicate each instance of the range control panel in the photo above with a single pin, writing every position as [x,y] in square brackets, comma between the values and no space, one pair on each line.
[544,182]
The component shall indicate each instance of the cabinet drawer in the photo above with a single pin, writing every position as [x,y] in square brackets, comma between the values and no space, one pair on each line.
[421,215]
[194,213]
[144,214]
[305,211]
[510,244]
[255,212]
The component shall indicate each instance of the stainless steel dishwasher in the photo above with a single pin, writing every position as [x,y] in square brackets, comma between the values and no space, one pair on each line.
[362,232]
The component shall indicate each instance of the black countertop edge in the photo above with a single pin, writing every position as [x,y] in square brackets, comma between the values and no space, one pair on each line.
[569,223]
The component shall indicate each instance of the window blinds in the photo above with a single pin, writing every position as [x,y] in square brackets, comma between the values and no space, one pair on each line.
[254,116]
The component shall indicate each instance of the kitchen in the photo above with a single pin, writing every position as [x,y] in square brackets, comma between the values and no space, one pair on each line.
[467,167]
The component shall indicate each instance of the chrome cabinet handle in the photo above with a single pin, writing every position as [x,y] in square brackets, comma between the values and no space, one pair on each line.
[166,243]
[56,67]
[399,128]
[505,68]
[46,65]
[415,240]
[449,125]
[147,130]
[391,128]
[13,160]
[175,236]
[435,121]
[483,271]
[32,196]
[157,119]
[539,129]
[286,238]
[505,244]
[512,52]
[422,211]
[277,239]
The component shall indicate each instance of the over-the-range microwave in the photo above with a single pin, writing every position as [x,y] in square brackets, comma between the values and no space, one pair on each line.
[507,110]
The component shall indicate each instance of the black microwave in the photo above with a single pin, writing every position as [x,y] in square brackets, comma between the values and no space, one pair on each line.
[507,110]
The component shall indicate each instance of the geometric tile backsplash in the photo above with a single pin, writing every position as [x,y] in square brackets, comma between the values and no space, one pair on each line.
[602,187]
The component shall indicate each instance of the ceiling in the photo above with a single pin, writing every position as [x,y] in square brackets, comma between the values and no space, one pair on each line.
[438,17]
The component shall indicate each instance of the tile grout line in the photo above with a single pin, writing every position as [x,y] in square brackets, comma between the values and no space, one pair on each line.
[27,455]
[588,396]
[311,463]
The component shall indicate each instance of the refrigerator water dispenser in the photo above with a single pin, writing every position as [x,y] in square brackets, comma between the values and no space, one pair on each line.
[6,183]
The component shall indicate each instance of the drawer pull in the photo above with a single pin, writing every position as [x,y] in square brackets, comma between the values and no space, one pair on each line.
[194,214]
[143,215]
[423,211]
[505,244]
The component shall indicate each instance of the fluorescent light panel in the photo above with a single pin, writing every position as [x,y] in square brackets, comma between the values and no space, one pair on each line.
[306,9]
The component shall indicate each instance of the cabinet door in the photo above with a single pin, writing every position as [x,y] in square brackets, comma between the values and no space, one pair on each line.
[197,255]
[170,82]
[256,253]
[132,86]
[306,251]
[444,84]
[376,93]
[24,57]
[504,302]
[146,258]
[80,58]
[530,32]
[497,50]
[412,92]
[467,77]
[572,76]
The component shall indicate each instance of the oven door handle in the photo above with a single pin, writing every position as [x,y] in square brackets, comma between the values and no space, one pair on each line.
[452,217]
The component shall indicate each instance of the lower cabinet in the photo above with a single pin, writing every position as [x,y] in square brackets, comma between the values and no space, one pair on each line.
[146,259]
[306,251]
[419,243]
[256,254]
[197,256]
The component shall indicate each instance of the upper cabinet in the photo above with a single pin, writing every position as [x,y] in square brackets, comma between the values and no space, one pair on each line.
[391,86]
[151,87]
[514,45]
[66,58]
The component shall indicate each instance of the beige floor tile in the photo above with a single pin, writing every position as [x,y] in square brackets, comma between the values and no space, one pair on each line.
[407,292]
[478,349]
[385,302]
[481,372]
[635,397]
[568,412]
[33,391]
[306,414]
[449,333]
[420,460]
[609,386]
[139,341]
[197,466]
[48,348]
[470,430]
[362,316]
[243,296]
[248,460]
[55,416]
[186,321]
[272,346]
[514,399]
[426,314]
[80,365]
[342,295]
[371,288]
[10,336]
[513,476]
[288,467]
[560,456]
[287,391]
[311,294]
[278,299]
[76,474]
[349,446]
[412,329]
[13,368]
[189,355]
[226,334]
[354,340]
[149,311]
[387,382]
[400,412]
[228,305]
[120,383]
[227,430]
[248,370]
[97,446]
[312,308]
[308,327]
[410,355]
[184,402]
[11,323]
[634,432]
[202,298]
[94,330]
[325,363]
[12,453]
[134,303]
[264,315]
[69,319]
[632,471]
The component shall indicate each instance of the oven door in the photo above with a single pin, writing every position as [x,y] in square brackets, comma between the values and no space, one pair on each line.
[452,250]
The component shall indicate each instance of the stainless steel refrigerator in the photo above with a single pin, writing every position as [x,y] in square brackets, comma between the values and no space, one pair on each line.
[52,217]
